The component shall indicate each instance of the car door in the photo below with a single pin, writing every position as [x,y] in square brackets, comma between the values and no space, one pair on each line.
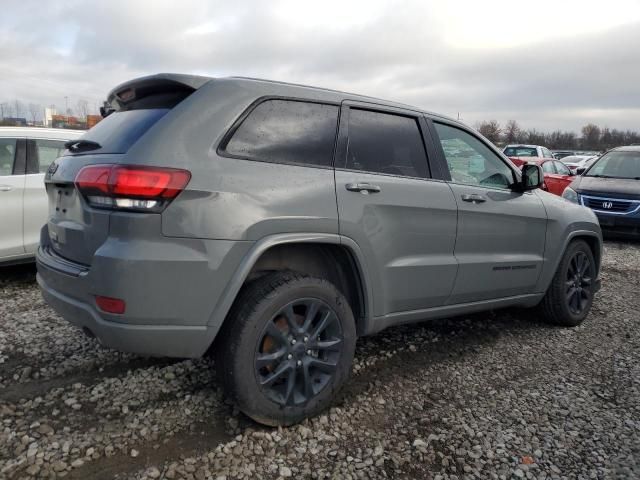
[12,169]
[550,177]
[402,219]
[564,177]
[40,154]
[501,232]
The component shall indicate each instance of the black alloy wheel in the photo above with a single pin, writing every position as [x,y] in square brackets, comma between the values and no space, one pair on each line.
[579,281]
[570,295]
[298,352]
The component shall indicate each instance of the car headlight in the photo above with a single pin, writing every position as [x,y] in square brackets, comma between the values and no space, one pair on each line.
[570,194]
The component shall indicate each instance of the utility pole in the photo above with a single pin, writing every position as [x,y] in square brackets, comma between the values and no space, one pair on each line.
[66,107]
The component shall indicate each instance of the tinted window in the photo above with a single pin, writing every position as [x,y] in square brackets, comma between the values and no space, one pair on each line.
[385,143]
[7,154]
[120,130]
[470,161]
[287,131]
[547,167]
[42,154]
[547,153]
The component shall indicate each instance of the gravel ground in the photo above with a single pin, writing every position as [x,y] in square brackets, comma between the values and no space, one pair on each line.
[497,395]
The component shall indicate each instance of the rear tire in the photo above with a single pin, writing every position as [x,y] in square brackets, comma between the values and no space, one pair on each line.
[286,348]
[569,297]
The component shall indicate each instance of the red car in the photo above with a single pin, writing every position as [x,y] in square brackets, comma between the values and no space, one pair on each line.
[557,175]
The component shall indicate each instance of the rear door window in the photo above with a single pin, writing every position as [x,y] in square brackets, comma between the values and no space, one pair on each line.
[7,156]
[385,143]
[42,153]
[287,131]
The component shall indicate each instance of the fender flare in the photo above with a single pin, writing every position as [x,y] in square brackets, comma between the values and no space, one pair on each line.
[547,275]
[227,298]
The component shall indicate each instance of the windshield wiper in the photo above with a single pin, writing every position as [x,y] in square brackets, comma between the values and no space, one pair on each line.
[611,176]
[82,145]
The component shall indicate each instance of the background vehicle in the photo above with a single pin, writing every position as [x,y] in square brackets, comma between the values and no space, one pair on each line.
[25,154]
[557,176]
[611,188]
[559,154]
[521,154]
[283,221]
[579,161]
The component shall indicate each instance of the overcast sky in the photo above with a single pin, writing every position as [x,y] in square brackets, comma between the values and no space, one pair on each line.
[546,63]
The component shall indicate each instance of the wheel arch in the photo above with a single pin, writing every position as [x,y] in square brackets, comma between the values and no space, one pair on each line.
[591,237]
[330,256]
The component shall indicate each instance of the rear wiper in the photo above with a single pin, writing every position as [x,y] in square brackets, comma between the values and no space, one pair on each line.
[82,145]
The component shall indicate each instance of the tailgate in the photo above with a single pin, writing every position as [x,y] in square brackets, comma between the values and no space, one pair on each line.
[75,229]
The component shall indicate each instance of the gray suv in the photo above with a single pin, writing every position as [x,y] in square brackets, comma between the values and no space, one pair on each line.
[272,224]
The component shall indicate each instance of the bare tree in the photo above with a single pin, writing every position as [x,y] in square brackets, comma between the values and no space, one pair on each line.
[512,132]
[34,110]
[491,130]
[591,136]
[606,140]
[19,106]
[82,108]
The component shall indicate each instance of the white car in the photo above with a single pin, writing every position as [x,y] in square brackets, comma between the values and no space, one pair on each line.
[579,161]
[25,155]
[524,152]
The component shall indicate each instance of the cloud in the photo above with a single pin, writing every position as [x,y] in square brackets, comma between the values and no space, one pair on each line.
[487,63]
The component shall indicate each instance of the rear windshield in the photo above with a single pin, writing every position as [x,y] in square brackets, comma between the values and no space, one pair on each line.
[617,165]
[520,152]
[120,130]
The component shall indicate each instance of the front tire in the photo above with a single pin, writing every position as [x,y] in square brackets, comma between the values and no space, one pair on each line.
[570,295]
[287,347]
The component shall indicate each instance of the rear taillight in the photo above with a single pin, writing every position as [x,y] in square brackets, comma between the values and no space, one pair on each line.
[127,187]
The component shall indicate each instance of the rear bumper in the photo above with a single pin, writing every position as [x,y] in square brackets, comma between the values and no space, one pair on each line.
[156,340]
[170,287]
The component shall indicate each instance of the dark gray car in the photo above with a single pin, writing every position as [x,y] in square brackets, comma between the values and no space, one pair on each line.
[273,224]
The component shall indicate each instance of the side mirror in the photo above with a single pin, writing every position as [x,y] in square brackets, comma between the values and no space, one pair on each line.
[532,177]
[580,170]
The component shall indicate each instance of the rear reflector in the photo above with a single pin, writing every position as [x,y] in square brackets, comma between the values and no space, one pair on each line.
[110,305]
[131,187]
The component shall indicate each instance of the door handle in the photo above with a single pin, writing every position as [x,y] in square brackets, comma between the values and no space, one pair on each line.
[473,198]
[364,188]
[5,188]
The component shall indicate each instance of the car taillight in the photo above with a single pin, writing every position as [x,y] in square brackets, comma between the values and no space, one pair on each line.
[130,187]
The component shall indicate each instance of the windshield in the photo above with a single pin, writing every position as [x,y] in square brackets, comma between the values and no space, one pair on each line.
[618,164]
[520,152]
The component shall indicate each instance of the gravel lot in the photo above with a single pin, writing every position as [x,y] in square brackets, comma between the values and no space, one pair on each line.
[496,395]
